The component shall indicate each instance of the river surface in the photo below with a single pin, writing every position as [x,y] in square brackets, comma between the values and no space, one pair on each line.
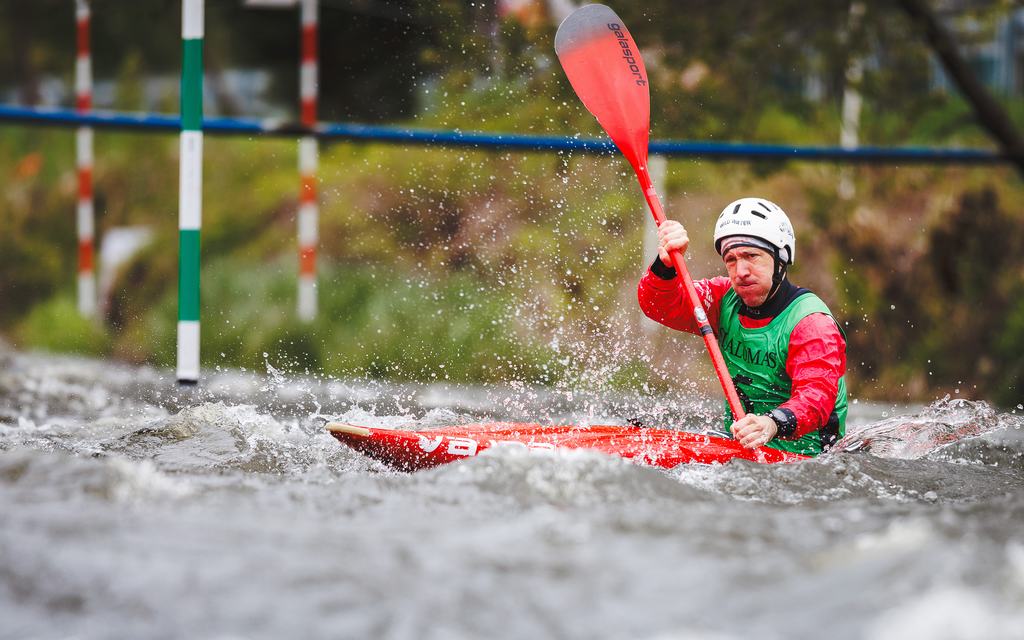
[133,509]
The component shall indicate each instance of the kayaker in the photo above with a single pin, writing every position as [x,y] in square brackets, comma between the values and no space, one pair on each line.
[784,349]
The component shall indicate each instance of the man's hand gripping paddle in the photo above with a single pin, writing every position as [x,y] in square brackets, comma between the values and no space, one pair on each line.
[605,69]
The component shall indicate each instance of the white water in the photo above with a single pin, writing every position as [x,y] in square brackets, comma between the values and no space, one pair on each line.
[133,509]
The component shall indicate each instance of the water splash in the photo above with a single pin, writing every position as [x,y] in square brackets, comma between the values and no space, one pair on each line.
[941,424]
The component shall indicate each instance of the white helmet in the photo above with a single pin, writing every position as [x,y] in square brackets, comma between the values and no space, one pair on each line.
[757,218]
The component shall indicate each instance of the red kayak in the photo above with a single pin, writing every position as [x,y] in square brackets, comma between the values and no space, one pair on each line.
[412,450]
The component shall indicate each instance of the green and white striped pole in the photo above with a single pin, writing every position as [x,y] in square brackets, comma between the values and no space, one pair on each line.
[190,190]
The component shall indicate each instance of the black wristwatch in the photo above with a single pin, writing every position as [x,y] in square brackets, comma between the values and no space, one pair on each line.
[785,420]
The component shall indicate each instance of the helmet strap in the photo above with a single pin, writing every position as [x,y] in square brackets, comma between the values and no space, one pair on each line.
[778,277]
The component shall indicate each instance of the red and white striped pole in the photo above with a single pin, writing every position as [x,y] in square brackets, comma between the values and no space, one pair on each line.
[308,156]
[83,145]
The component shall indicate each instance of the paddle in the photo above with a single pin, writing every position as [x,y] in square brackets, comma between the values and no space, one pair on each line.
[606,71]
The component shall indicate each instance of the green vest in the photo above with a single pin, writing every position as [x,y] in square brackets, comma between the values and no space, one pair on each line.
[756,359]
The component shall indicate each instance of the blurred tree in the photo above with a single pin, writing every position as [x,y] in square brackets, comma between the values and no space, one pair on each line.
[369,50]
[716,66]
[369,53]
[987,110]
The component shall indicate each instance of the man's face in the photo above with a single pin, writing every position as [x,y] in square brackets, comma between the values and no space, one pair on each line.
[750,270]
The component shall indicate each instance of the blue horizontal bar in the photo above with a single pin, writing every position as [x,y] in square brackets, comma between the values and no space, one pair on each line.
[480,140]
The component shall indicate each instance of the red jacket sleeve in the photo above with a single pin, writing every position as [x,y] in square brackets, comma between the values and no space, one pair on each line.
[664,302]
[816,361]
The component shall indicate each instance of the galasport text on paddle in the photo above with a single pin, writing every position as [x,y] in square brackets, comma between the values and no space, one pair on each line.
[606,71]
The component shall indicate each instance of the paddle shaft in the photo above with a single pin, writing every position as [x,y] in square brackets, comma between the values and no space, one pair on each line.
[706,332]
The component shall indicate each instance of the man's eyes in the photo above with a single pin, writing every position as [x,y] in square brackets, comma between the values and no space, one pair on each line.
[748,257]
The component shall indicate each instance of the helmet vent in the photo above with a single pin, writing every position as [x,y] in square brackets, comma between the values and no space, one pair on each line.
[759,215]
[764,206]
[736,209]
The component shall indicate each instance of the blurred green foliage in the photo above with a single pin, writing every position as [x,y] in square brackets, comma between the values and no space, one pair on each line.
[930,289]
[466,264]
[55,325]
[372,323]
[367,50]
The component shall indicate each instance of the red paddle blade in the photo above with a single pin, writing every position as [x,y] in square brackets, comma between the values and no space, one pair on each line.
[606,71]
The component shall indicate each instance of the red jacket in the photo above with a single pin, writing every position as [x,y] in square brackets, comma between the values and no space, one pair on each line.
[817,350]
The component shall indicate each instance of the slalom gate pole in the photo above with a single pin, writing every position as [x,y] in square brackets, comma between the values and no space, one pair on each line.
[308,218]
[658,168]
[190,190]
[86,223]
